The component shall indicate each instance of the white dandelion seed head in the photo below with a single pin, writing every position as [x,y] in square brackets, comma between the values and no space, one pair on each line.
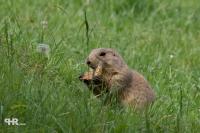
[171,56]
[43,49]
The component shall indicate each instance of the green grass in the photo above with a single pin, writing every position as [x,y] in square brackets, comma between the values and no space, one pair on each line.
[160,39]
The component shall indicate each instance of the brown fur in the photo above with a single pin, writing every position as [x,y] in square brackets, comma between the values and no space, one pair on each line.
[114,75]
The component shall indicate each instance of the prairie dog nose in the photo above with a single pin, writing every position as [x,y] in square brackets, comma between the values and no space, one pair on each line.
[88,62]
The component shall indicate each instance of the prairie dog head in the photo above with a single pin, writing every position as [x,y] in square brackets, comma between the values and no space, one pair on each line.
[105,58]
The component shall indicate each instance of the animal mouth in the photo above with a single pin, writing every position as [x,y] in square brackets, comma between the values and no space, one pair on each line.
[92,66]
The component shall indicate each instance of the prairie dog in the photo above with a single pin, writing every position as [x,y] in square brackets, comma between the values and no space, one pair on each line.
[129,85]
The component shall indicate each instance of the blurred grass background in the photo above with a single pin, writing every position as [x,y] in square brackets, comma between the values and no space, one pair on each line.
[160,39]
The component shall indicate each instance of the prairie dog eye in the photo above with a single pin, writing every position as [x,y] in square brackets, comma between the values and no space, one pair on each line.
[102,54]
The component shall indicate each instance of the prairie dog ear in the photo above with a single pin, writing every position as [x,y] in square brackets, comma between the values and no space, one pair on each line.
[114,54]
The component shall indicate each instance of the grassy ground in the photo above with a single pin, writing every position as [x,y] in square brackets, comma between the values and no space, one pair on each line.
[160,39]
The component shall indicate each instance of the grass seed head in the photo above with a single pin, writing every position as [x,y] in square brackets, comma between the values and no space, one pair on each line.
[43,49]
